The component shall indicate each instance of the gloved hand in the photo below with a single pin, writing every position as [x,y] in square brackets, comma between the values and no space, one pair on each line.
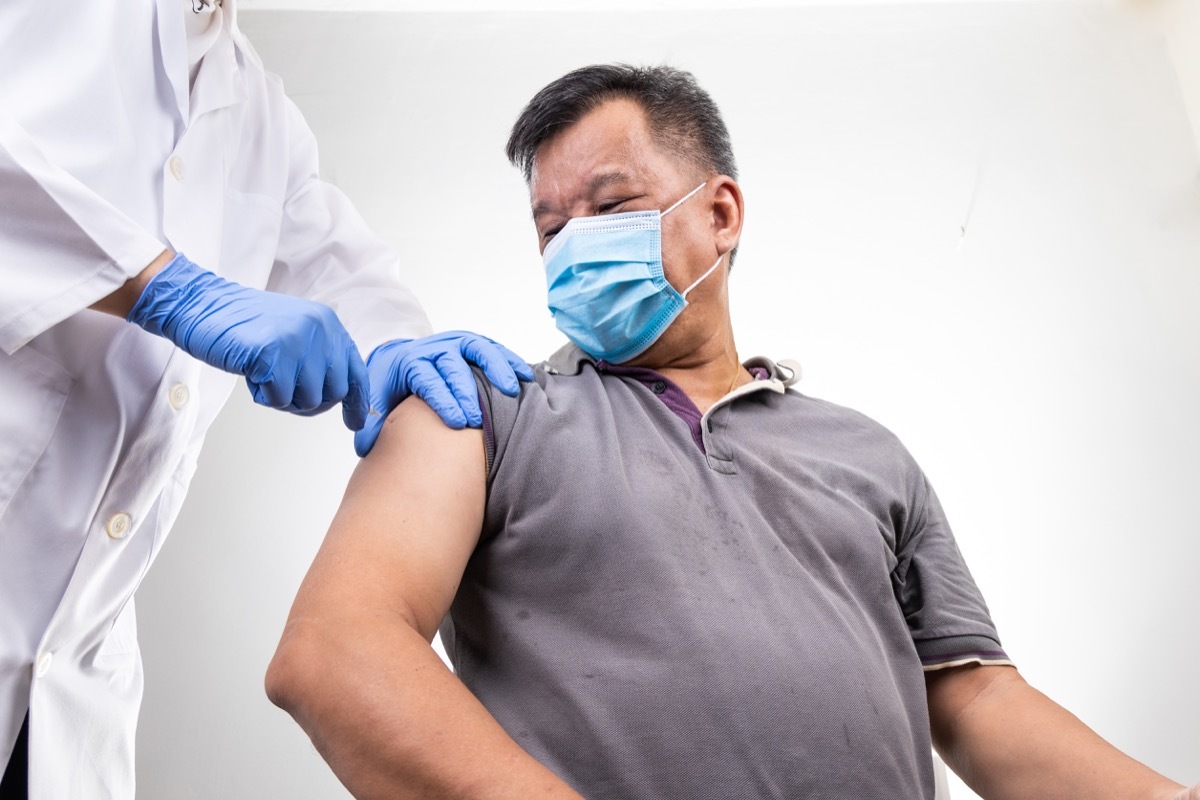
[294,353]
[436,368]
[1189,794]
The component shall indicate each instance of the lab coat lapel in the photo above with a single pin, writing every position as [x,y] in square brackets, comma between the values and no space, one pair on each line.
[172,48]
[193,200]
[219,82]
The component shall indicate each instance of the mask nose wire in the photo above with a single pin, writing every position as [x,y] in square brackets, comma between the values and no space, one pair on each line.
[679,202]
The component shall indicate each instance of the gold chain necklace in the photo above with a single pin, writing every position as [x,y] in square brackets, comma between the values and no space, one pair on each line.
[737,373]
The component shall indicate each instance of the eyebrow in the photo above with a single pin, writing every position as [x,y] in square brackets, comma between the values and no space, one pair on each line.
[594,185]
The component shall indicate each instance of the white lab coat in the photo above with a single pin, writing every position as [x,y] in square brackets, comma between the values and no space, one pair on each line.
[107,157]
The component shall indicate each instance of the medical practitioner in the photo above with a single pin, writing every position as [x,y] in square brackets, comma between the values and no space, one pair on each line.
[163,231]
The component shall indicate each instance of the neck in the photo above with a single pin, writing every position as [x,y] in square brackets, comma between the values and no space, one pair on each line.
[706,370]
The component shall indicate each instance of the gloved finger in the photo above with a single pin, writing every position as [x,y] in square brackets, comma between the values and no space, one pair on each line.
[337,382]
[522,367]
[312,412]
[459,379]
[364,438]
[266,386]
[518,364]
[425,380]
[312,378]
[493,359]
[390,374]
[356,403]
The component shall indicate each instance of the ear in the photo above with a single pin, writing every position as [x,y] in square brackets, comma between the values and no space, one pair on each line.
[727,214]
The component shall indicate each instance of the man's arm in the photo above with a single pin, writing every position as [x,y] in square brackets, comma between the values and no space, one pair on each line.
[354,666]
[1005,739]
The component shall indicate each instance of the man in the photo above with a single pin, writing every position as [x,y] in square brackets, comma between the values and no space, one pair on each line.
[132,133]
[666,572]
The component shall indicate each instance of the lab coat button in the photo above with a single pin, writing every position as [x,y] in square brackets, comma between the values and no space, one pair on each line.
[658,387]
[178,396]
[176,166]
[119,525]
[43,663]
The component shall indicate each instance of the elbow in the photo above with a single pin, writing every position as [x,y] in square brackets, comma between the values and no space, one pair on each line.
[293,676]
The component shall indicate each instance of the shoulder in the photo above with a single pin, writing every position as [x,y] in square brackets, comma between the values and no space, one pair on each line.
[567,372]
[249,56]
[270,107]
[560,400]
[839,420]
[852,437]
[820,419]
[415,443]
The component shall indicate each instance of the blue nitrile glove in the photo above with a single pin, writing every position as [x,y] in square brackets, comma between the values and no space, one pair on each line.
[294,353]
[436,368]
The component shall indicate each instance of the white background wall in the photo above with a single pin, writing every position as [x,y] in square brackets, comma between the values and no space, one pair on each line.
[977,222]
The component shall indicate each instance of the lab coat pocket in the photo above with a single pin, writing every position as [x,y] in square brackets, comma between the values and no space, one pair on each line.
[252,224]
[166,511]
[119,661]
[171,500]
[121,640]
[33,390]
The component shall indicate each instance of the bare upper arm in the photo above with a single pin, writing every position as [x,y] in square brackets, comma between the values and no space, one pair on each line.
[954,690]
[408,523]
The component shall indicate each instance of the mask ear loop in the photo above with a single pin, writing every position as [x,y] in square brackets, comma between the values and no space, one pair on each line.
[679,202]
[696,282]
[709,271]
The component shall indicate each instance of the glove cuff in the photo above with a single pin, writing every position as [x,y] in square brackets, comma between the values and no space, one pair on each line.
[169,292]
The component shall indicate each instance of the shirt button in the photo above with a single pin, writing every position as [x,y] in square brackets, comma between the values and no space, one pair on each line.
[119,525]
[176,167]
[178,396]
[658,387]
[43,663]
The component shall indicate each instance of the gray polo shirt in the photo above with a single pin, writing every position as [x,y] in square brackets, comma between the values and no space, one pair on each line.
[739,604]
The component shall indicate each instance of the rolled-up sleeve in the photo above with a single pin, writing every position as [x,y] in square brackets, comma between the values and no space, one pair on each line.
[945,611]
[62,246]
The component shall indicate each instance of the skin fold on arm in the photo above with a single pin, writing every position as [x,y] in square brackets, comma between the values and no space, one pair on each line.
[1006,739]
[354,666]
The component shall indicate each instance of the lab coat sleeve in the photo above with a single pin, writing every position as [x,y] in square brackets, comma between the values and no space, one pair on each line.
[327,253]
[62,246]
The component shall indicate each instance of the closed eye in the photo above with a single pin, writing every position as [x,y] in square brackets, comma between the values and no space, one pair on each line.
[612,206]
[605,207]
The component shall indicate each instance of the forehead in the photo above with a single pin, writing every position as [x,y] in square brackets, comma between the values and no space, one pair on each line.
[613,139]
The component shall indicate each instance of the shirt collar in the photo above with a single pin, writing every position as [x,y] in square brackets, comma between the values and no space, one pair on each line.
[569,360]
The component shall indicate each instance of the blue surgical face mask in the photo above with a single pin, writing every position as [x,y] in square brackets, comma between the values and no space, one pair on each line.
[605,284]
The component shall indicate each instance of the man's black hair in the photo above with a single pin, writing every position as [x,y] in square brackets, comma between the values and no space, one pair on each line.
[681,116]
